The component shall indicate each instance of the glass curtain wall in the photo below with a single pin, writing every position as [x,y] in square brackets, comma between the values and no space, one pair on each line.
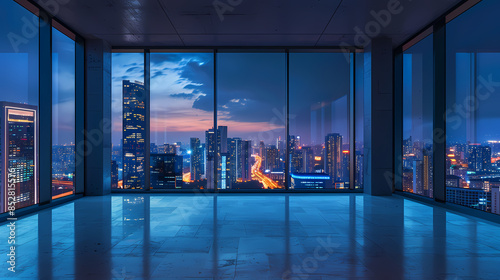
[320,90]
[418,110]
[473,95]
[182,104]
[245,146]
[63,114]
[19,52]
[249,143]
[129,121]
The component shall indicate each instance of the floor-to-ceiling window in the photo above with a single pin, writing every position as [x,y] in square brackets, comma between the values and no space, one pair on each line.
[473,95]
[182,113]
[18,106]
[320,88]
[248,147]
[418,99]
[218,119]
[63,113]
[129,121]
[359,120]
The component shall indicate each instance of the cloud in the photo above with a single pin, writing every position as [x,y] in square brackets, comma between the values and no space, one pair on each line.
[188,96]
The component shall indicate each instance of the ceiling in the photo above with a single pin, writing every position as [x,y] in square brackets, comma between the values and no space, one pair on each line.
[244,23]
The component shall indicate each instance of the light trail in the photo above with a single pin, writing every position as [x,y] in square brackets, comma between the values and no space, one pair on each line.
[259,176]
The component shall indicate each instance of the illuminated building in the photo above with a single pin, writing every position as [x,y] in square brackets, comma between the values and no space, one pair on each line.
[196,159]
[479,157]
[224,171]
[272,158]
[474,198]
[18,133]
[358,177]
[234,150]
[307,160]
[495,199]
[333,156]
[246,166]
[133,135]
[114,174]
[166,171]
[310,181]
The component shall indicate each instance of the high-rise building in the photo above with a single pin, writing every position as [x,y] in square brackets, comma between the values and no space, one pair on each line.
[308,161]
[427,188]
[495,198]
[418,176]
[114,175]
[246,155]
[479,158]
[234,150]
[272,159]
[345,166]
[222,139]
[134,114]
[18,155]
[333,156]
[358,177]
[262,153]
[196,159]
[210,153]
[166,171]
[224,171]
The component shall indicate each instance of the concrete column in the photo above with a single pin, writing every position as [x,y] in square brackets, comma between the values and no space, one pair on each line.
[378,116]
[97,117]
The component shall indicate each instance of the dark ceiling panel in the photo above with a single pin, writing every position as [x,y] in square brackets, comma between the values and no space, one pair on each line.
[246,23]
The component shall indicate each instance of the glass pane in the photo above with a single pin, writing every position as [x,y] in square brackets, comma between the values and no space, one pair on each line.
[128,117]
[359,121]
[319,120]
[63,114]
[18,106]
[249,143]
[182,105]
[472,96]
[418,96]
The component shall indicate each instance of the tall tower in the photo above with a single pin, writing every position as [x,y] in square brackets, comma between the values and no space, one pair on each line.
[134,114]
[234,150]
[210,146]
[246,154]
[333,156]
[196,157]
[18,155]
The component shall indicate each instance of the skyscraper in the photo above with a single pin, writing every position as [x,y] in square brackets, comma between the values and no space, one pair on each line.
[210,150]
[272,158]
[224,171]
[333,156]
[196,159]
[222,139]
[246,166]
[234,150]
[418,177]
[479,158]
[133,134]
[307,160]
[18,155]
[166,171]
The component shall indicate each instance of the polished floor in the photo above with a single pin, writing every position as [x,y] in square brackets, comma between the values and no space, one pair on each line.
[279,236]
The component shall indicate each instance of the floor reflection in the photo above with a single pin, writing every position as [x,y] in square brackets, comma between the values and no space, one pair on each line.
[142,236]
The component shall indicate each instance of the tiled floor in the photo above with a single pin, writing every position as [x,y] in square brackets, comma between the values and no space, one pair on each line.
[327,236]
